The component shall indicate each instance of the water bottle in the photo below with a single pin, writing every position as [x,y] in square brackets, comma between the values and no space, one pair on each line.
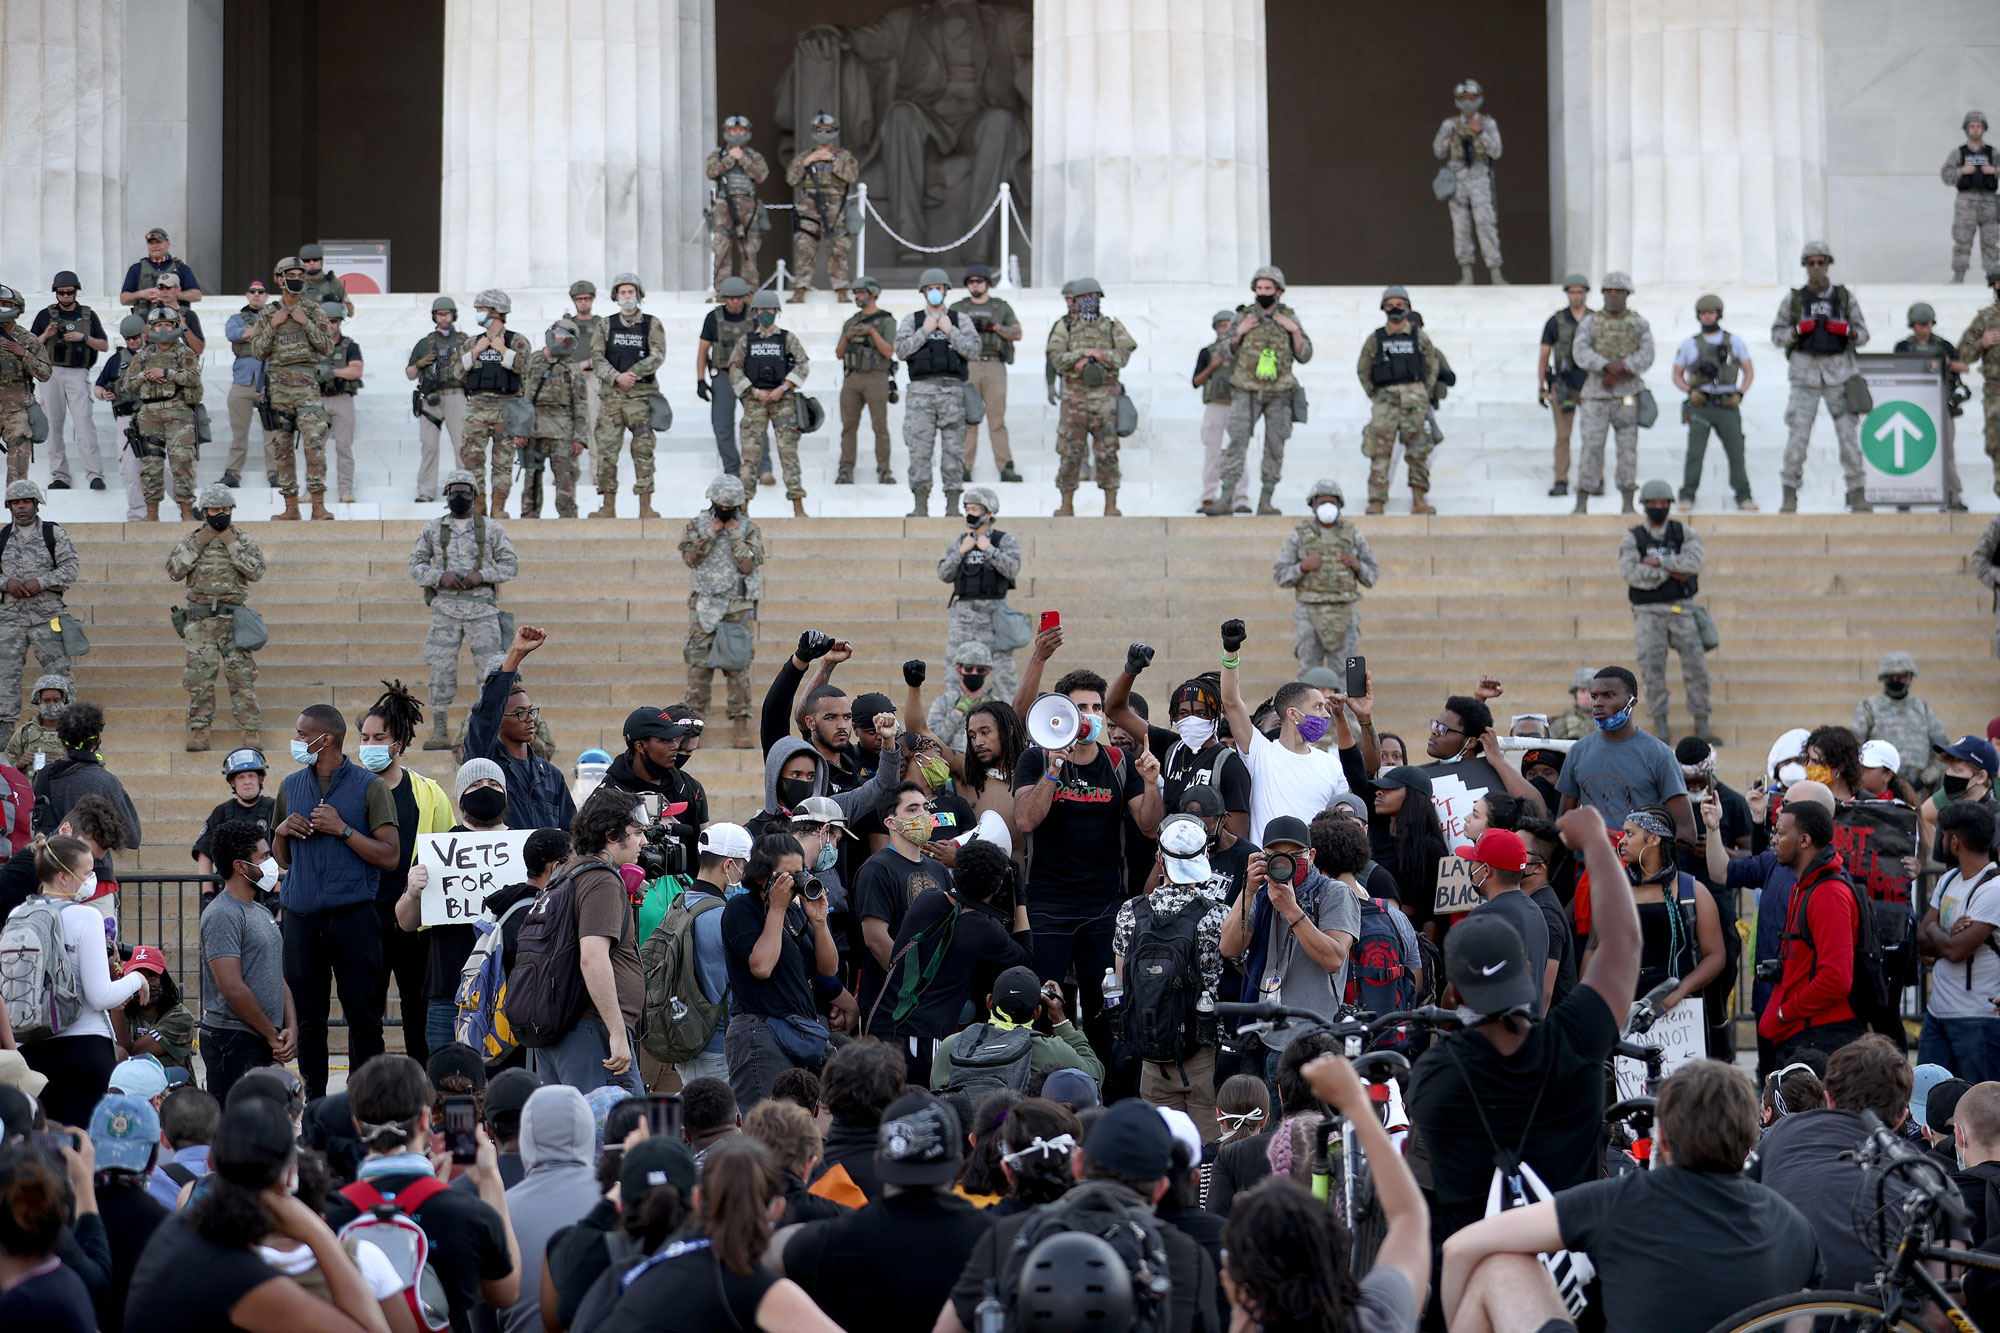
[991,1316]
[1114,989]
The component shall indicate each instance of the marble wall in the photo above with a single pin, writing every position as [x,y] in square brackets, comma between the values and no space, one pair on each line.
[173,132]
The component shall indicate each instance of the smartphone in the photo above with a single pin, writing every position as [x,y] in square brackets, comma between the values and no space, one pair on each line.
[459,1119]
[53,1141]
[1357,677]
[1051,620]
[663,1114]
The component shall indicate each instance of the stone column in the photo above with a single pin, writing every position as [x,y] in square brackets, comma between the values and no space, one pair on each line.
[1705,154]
[62,141]
[1151,156]
[574,134]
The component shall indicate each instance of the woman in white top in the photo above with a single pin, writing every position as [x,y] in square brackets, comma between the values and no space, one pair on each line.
[79,1059]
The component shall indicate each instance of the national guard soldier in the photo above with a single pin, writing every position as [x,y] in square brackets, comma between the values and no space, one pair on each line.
[583,297]
[999,330]
[627,354]
[292,334]
[439,399]
[1713,368]
[73,336]
[112,388]
[1903,720]
[36,744]
[939,346]
[1267,341]
[1398,370]
[1053,382]
[1973,169]
[867,347]
[1088,349]
[217,561]
[555,388]
[164,378]
[460,560]
[1326,562]
[1819,328]
[1980,344]
[493,363]
[1558,379]
[735,220]
[339,380]
[37,566]
[1661,562]
[766,367]
[322,285]
[1924,339]
[982,565]
[1212,368]
[23,360]
[720,329]
[969,685]
[1615,345]
[724,551]
[1469,144]
[820,178]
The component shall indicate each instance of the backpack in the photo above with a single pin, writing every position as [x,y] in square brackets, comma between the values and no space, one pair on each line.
[680,1019]
[984,1056]
[545,991]
[482,990]
[1097,1208]
[1161,984]
[1380,978]
[389,1224]
[38,980]
[48,539]
[1869,995]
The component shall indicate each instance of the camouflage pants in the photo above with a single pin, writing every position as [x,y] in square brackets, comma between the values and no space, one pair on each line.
[1325,633]
[15,431]
[1246,406]
[805,249]
[701,676]
[480,633]
[1990,403]
[1975,212]
[971,621]
[1472,208]
[934,426]
[172,422]
[1799,414]
[783,419]
[726,248]
[25,625]
[295,392]
[212,652]
[1597,417]
[1398,414]
[619,411]
[563,468]
[483,424]
[1088,420]
[1655,631]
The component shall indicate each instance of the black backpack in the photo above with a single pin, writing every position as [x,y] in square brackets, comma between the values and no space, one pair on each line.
[545,990]
[1870,995]
[985,1056]
[1161,982]
[1099,1209]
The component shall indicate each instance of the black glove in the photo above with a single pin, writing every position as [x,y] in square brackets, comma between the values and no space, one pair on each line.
[1233,635]
[701,391]
[1138,657]
[814,645]
[913,672]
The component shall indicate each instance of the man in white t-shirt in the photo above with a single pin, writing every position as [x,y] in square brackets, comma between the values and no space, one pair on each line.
[1962,1029]
[1287,776]
[1713,369]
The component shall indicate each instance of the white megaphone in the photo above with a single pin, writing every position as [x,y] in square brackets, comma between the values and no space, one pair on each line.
[1054,722]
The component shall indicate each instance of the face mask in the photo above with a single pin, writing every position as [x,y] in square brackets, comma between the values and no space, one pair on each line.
[375,758]
[1093,728]
[766,318]
[1087,306]
[736,138]
[460,505]
[87,888]
[918,828]
[8,314]
[1267,299]
[1955,787]
[934,295]
[1616,720]
[1396,314]
[972,682]
[301,751]
[936,772]
[1196,731]
[792,792]
[1819,773]
[163,334]
[295,284]
[826,136]
[220,522]
[1327,512]
[974,520]
[681,759]
[50,712]
[628,304]
[724,515]
[482,317]
[1896,689]
[267,874]
[484,804]
[1614,302]
[1657,515]
[1312,728]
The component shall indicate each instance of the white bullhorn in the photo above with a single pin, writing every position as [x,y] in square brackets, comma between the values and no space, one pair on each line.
[1054,722]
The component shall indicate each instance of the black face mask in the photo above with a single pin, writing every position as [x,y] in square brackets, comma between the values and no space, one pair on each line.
[1955,786]
[972,681]
[1267,299]
[1657,514]
[724,515]
[484,804]
[792,792]
[1396,314]
[974,520]
[220,522]
[460,505]
[1896,689]
[681,759]
[295,284]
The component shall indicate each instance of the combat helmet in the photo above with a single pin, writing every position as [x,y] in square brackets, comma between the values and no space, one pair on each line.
[1708,302]
[766,300]
[1615,281]
[495,300]
[726,490]
[215,496]
[1811,248]
[285,265]
[443,303]
[1656,489]
[733,286]
[624,278]
[1393,289]
[583,287]
[132,326]
[25,490]
[1271,271]
[1921,313]
[933,277]
[11,303]
[1469,90]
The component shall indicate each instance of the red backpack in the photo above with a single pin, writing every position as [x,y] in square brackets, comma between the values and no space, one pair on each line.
[1379,978]
[389,1224]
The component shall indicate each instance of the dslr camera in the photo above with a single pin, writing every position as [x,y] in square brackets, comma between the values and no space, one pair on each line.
[1281,867]
[810,887]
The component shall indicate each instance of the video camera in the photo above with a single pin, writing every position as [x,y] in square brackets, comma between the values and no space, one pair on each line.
[664,852]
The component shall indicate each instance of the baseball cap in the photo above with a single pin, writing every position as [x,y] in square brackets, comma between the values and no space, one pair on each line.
[820,810]
[1181,1126]
[1942,1104]
[1881,754]
[1499,848]
[1072,1086]
[256,285]
[1202,801]
[732,840]
[147,959]
[1976,750]
[1922,1079]
[508,1093]
[157,234]
[652,724]
[1485,959]
[1550,756]
[1131,1139]
[653,1162]
[456,1057]
[125,1130]
[918,1143]
[1017,992]
[142,1076]
[15,1073]
[1406,776]
[1288,829]
[1321,678]
[1351,802]
[1184,848]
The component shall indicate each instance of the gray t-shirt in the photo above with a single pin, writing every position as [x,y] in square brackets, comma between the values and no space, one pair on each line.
[1303,983]
[1618,777]
[231,928]
[1521,912]
[1387,1304]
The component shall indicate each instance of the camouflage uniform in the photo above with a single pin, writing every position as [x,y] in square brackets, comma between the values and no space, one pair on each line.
[934,407]
[217,567]
[36,743]
[865,383]
[165,416]
[1975,210]
[1090,392]
[18,372]
[587,327]
[1658,626]
[1818,377]
[1986,568]
[1909,723]
[1601,338]
[291,374]
[1398,413]
[1470,157]
[484,416]
[1986,360]
[452,545]
[1326,629]
[733,217]
[621,410]
[950,710]
[1261,387]
[782,416]
[819,198]
[724,583]
[554,384]
[25,621]
[971,617]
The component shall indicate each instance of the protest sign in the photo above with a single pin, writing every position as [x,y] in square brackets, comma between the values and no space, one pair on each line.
[1873,837]
[464,868]
[1679,1033]
[1455,891]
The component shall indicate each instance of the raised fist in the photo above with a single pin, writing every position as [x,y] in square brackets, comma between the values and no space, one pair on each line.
[1233,635]
[813,645]
[913,672]
[1138,657]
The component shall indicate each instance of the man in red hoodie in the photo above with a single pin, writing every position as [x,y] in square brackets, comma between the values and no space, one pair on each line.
[1810,1007]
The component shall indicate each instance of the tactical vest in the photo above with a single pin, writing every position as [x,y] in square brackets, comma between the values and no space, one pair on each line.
[1984,156]
[859,354]
[445,350]
[317,287]
[1821,307]
[1332,581]
[1471,148]
[1615,337]
[1675,589]
[736,178]
[1266,336]
[977,578]
[586,332]
[288,344]
[1215,389]
[727,331]
[992,347]
[331,384]
[162,358]
[937,359]
[240,347]
[1101,332]
[766,359]
[489,376]
[1716,366]
[1562,358]
[71,356]
[149,276]
[822,192]
[123,401]
[625,345]
[1398,360]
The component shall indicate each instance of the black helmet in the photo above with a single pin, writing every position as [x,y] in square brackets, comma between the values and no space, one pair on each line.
[1074,1282]
[64,279]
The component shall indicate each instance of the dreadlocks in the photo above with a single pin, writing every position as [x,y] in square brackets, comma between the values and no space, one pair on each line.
[400,712]
[1008,723]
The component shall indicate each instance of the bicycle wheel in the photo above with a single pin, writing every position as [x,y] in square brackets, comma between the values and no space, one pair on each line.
[1367,1227]
[1817,1312]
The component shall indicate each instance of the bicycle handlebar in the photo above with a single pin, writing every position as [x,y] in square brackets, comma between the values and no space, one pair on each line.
[1630,1107]
[1883,1146]
[1649,1011]
[1428,1016]
[1650,1056]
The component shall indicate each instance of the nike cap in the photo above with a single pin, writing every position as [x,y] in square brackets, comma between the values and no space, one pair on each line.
[1485,959]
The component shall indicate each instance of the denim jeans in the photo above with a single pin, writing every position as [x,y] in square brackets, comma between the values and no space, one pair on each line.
[1968,1047]
[755,1060]
[227,1054]
[440,1019]
[577,1059]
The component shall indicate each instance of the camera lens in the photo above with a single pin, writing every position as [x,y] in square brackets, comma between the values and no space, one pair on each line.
[1281,867]
[812,890]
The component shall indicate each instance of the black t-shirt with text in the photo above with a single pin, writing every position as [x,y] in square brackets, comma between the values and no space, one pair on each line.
[1076,866]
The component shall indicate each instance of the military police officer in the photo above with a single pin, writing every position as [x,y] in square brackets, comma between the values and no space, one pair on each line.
[1469,144]
[938,345]
[1661,562]
[23,361]
[36,743]
[720,329]
[165,378]
[735,221]
[1819,327]
[1326,562]
[440,401]
[339,380]
[459,560]
[493,361]
[1713,368]
[820,178]
[1615,345]
[322,285]
[627,354]
[291,335]
[981,565]
[1558,379]
[999,330]
[1980,345]
[1267,341]
[867,347]
[724,551]
[1088,348]
[37,565]
[1973,169]
[583,298]
[766,367]
[218,561]
[1398,369]
[555,389]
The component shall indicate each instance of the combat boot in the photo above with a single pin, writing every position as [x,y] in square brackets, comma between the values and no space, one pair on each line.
[1493,275]
[1067,509]
[840,295]
[291,508]
[497,506]
[951,504]
[920,506]
[609,509]
[1418,504]
[197,739]
[1582,501]
[1007,473]
[1264,505]
[1958,277]
[153,511]
[844,477]
[1625,505]
[1111,509]
[440,738]
[739,733]
[1706,732]
[1376,506]
[1791,501]
[1857,501]
[319,506]
[798,296]
[253,739]
[799,509]
[1465,275]
[187,512]
[884,477]
[1219,507]
[646,506]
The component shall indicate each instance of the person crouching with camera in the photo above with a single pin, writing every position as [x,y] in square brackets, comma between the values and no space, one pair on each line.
[782,964]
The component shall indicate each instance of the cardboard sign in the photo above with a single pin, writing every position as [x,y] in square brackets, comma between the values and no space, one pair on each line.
[1455,891]
[1456,788]
[1679,1033]
[464,868]
[1873,837]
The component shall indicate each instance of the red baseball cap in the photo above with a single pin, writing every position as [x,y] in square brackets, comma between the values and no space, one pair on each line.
[148,959]
[1500,849]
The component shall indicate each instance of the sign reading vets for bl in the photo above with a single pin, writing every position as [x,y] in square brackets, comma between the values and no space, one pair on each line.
[464,868]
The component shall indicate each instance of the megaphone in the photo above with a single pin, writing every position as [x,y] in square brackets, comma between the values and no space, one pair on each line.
[1054,722]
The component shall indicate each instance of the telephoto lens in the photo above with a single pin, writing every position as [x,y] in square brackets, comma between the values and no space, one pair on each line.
[1281,867]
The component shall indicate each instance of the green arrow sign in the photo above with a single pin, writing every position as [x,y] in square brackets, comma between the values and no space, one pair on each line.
[1898,438]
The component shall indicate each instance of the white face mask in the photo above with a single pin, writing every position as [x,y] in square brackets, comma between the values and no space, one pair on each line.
[267,874]
[88,888]
[628,304]
[1196,731]
[1327,512]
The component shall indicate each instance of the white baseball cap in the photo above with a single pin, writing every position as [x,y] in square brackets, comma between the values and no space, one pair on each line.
[1181,1125]
[731,840]
[1881,754]
[1184,847]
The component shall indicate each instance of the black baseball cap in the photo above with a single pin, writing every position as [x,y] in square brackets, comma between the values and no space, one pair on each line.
[508,1093]
[456,1058]
[1131,1138]
[1485,959]
[1942,1104]
[1406,776]
[653,1162]
[1202,800]
[918,1142]
[1288,828]
[652,724]
[1017,992]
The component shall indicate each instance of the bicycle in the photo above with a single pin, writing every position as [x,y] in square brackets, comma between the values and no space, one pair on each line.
[1628,1122]
[1345,1181]
[1902,1228]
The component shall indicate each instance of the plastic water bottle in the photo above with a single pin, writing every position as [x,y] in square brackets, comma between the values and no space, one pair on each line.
[1114,989]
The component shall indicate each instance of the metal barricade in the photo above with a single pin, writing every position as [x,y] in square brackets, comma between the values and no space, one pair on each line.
[165,912]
